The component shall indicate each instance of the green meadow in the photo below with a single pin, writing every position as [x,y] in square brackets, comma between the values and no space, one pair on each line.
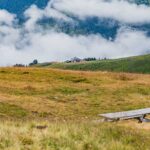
[136,64]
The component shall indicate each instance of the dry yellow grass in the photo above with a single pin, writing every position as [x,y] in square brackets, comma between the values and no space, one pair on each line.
[71,136]
[58,95]
[68,102]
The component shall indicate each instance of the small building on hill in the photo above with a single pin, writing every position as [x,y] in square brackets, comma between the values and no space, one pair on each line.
[76,59]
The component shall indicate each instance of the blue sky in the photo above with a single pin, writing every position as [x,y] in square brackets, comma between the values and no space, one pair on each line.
[21,43]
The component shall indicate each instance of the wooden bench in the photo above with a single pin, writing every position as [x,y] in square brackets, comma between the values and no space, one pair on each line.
[139,114]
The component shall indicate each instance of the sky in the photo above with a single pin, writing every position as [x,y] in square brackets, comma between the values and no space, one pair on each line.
[28,41]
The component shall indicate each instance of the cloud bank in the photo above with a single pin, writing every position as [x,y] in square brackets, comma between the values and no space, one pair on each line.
[122,10]
[23,43]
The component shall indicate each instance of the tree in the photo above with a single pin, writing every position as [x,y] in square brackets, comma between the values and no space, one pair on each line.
[35,61]
[19,65]
[90,59]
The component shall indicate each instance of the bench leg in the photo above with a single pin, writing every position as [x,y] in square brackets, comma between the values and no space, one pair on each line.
[143,119]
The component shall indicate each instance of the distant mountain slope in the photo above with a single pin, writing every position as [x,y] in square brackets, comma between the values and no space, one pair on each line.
[137,64]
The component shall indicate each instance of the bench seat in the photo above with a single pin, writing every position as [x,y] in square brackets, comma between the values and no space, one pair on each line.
[139,113]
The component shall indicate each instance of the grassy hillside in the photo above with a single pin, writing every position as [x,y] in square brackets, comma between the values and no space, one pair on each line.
[27,92]
[137,64]
[68,103]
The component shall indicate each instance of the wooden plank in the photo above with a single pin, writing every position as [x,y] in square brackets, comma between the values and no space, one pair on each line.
[127,114]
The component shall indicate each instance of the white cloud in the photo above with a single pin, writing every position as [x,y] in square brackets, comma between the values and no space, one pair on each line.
[34,14]
[120,10]
[6,18]
[51,46]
